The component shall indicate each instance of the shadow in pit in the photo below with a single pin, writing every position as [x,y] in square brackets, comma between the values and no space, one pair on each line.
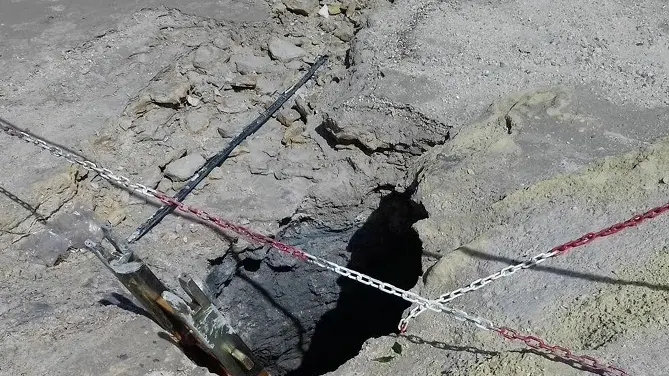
[294,321]
[386,248]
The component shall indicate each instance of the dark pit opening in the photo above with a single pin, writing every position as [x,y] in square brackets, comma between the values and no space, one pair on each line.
[301,320]
[251,265]
[386,248]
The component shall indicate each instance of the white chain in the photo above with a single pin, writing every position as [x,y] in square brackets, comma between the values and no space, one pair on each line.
[423,303]
[105,173]
[479,283]
[409,296]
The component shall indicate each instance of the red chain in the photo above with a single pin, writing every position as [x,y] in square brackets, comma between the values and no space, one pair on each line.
[243,231]
[531,341]
[564,353]
[539,344]
[587,362]
[632,222]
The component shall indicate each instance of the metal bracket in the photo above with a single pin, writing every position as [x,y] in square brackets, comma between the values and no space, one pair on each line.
[195,321]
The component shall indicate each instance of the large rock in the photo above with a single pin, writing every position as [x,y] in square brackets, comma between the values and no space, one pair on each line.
[206,57]
[197,120]
[344,31]
[183,168]
[303,7]
[287,116]
[284,51]
[247,64]
[168,89]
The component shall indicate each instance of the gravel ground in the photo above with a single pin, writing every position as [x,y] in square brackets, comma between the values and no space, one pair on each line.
[486,131]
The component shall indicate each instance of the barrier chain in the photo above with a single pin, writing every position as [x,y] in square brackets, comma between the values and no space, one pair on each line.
[538,259]
[587,362]
[426,304]
[248,234]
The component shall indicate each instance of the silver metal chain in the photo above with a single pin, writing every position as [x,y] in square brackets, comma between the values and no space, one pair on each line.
[479,283]
[423,304]
[105,173]
[409,296]
[123,181]
[252,236]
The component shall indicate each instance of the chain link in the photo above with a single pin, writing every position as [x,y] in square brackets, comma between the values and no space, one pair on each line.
[479,283]
[423,303]
[105,173]
[539,344]
[556,251]
[323,263]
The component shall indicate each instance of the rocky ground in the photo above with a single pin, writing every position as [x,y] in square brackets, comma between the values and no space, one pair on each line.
[441,142]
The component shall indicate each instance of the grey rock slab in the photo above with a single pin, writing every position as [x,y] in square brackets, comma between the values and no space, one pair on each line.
[287,116]
[302,107]
[165,185]
[268,85]
[169,89]
[207,56]
[284,51]
[224,42]
[303,7]
[346,133]
[267,201]
[183,168]
[229,125]
[244,82]
[294,65]
[197,120]
[172,156]
[225,132]
[233,104]
[344,31]
[247,64]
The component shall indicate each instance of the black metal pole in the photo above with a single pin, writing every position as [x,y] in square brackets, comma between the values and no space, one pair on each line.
[219,158]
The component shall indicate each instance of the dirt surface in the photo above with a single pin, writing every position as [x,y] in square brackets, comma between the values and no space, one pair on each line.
[441,142]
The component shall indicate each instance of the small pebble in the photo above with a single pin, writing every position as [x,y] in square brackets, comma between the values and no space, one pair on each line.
[193,100]
[324,11]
